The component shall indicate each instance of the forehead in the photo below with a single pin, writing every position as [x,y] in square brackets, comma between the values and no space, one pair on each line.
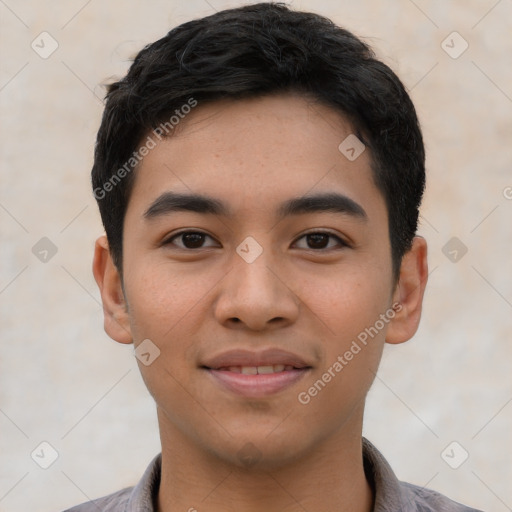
[256,152]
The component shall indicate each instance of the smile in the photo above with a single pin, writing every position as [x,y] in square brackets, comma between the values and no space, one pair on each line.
[258,370]
[257,381]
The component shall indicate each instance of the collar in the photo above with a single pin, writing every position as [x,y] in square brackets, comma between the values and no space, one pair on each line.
[388,493]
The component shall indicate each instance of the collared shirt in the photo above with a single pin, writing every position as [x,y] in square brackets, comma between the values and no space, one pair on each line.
[391,495]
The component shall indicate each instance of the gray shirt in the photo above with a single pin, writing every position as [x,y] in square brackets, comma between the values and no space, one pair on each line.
[391,495]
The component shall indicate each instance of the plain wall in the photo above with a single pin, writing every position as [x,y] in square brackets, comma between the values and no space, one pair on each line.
[63,381]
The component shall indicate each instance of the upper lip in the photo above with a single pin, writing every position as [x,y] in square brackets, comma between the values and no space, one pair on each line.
[249,358]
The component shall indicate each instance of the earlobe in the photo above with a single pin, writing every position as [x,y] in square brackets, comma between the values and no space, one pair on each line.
[409,293]
[115,312]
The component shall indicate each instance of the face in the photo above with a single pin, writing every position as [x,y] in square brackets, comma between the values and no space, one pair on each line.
[269,298]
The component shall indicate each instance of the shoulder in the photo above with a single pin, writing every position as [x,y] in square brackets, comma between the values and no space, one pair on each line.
[391,494]
[115,502]
[427,500]
[139,497]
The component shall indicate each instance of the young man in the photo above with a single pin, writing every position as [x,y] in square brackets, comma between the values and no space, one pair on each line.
[259,175]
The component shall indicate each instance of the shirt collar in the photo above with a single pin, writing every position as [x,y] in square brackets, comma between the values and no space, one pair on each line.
[144,494]
[388,493]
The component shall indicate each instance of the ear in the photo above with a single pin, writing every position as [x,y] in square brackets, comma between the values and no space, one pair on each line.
[408,294]
[115,310]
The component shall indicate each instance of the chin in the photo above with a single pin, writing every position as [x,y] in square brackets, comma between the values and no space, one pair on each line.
[257,453]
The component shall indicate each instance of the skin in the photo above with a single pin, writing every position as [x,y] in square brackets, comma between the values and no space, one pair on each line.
[199,302]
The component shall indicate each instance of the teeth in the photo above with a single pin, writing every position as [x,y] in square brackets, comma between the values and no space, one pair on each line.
[259,370]
[265,369]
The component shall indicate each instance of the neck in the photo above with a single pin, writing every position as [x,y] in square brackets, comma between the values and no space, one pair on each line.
[330,477]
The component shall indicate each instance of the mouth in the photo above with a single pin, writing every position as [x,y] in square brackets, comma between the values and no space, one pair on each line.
[256,375]
[257,370]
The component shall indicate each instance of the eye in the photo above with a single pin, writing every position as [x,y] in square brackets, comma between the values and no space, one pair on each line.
[316,240]
[189,239]
[320,240]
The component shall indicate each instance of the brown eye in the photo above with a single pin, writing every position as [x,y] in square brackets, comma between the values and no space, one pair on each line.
[193,240]
[320,240]
[189,240]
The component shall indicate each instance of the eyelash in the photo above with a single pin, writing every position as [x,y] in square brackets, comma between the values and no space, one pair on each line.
[341,242]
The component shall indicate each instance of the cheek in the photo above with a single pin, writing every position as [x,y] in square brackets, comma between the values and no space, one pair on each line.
[163,306]
[347,312]
[168,308]
[159,300]
[345,302]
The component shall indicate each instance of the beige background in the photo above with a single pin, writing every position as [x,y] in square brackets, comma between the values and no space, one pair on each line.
[62,380]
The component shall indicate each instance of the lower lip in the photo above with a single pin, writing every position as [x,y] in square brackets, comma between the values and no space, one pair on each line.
[259,385]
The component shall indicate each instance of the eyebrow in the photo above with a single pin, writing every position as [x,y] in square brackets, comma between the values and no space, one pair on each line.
[171,202]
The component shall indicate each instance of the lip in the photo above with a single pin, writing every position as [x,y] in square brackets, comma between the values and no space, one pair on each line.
[247,358]
[259,385]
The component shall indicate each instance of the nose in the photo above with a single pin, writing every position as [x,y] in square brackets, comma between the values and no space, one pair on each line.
[256,295]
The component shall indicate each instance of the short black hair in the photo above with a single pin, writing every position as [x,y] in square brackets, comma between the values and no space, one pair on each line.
[249,52]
